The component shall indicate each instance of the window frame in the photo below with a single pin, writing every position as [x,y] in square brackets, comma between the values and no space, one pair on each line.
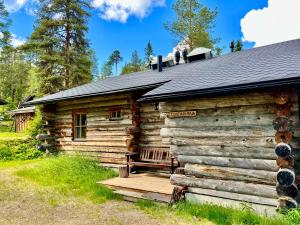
[81,126]
[116,111]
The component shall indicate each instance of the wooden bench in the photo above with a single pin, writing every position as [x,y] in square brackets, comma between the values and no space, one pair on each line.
[151,158]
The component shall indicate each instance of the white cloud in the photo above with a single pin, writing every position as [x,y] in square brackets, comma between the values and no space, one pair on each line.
[120,10]
[14,5]
[277,22]
[17,41]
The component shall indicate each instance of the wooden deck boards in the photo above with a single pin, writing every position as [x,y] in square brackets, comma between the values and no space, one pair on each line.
[141,183]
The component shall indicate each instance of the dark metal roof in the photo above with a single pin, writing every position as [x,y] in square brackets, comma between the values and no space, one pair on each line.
[277,64]
[258,67]
[137,81]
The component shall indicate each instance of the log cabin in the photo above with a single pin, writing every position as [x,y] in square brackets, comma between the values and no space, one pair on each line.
[230,122]
[22,118]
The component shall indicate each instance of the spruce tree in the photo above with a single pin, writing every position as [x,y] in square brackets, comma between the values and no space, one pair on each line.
[149,54]
[60,45]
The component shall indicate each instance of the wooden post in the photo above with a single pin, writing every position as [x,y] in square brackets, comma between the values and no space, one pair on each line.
[123,172]
[283,124]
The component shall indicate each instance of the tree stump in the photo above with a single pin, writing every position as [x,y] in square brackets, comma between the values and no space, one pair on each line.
[123,172]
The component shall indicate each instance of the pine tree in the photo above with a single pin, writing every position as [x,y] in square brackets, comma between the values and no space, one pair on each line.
[193,24]
[106,71]
[59,42]
[136,62]
[4,25]
[238,46]
[115,58]
[149,54]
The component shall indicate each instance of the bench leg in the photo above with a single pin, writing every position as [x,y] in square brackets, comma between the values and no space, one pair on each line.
[172,165]
[128,170]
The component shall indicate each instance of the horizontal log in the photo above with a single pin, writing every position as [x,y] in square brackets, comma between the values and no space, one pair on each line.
[255,164]
[225,185]
[220,121]
[225,151]
[94,99]
[266,142]
[264,210]
[249,98]
[226,173]
[112,103]
[240,110]
[93,149]
[253,131]
[95,143]
[235,196]
[234,141]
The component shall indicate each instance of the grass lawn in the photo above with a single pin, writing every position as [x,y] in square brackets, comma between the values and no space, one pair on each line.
[72,176]
[75,176]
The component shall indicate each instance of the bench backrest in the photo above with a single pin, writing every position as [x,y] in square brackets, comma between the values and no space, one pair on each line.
[155,155]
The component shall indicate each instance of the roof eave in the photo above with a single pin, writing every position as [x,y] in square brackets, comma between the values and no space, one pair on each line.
[293,82]
[37,102]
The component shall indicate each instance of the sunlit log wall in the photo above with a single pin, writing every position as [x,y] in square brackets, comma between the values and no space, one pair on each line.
[107,140]
[227,149]
[151,124]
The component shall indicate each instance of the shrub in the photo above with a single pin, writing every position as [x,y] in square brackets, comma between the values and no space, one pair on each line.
[18,149]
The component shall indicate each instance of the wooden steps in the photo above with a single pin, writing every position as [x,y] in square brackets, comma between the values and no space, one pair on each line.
[134,196]
[141,186]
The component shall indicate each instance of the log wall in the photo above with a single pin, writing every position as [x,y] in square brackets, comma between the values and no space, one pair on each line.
[227,149]
[106,140]
[151,124]
[22,121]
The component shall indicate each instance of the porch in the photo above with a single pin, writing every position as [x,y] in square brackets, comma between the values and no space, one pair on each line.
[142,186]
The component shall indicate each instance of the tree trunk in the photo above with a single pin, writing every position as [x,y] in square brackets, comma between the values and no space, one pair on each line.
[67,47]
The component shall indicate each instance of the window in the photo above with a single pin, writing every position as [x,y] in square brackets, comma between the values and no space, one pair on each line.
[80,125]
[115,114]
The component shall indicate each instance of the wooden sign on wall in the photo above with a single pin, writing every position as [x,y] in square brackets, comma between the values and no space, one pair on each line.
[182,114]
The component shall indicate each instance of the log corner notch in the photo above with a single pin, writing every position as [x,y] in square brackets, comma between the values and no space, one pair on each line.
[47,141]
[286,188]
[134,131]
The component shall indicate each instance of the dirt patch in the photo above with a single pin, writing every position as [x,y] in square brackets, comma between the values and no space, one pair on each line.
[23,202]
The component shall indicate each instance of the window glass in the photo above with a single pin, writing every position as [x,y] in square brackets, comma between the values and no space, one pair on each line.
[80,126]
[115,114]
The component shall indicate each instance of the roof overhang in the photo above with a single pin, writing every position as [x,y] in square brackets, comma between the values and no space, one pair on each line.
[292,82]
[139,88]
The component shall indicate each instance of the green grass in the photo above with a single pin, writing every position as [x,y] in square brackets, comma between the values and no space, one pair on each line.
[8,136]
[216,214]
[16,163]
[71,176]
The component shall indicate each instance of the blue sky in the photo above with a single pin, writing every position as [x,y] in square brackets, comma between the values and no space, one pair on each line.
[132,23]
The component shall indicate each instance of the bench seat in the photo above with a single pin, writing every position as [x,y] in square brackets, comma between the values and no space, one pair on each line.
[151,158]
